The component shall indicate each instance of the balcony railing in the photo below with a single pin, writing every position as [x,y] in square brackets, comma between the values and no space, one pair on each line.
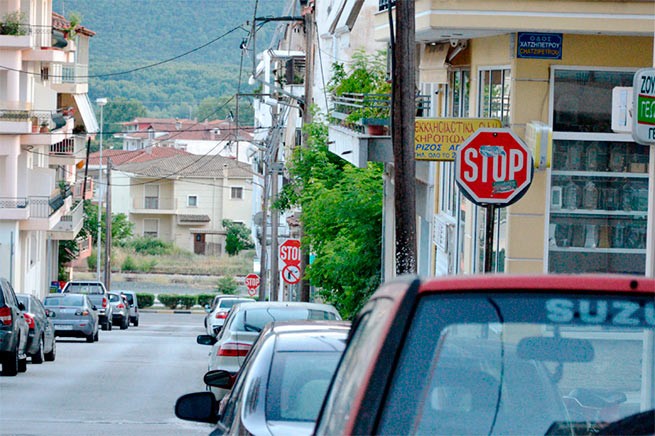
[78,190]
[40,35]
[155,203]
[44,207]
[68,147]
[359,110]
[13,202]
[78,73]
[72,219]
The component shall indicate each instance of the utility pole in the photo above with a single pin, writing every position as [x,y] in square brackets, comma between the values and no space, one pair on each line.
[308,16]
[275,225]
[263,268]
[403,101]
[108,229]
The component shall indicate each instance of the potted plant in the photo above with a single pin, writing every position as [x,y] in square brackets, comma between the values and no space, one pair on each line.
[365,89]
[44,127]
[74,20]
[12,24]
[35,124]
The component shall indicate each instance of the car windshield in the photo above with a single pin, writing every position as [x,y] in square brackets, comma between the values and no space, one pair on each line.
[130,298]
[253,320]
[530,365]
[65,300]
[25,300]
[84,288]
[300,381]
[227,303]
[114,298]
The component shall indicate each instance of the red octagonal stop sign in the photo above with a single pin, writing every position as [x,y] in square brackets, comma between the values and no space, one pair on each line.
[493,166]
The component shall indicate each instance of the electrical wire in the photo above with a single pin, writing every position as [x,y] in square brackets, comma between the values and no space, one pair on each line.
[155,64]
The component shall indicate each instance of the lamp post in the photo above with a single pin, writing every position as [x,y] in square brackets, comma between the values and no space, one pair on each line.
[101,102]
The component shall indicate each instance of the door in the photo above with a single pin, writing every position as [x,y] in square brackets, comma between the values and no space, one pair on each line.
[199,243]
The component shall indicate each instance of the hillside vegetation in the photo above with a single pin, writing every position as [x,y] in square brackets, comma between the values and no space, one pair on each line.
[132,34]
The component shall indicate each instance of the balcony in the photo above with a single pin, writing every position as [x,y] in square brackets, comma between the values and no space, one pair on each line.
[69,225]
[68,151]
[71,79]
[154,205]
[15,118]
[79,192]
[15,35]
[45,212]
[14,208]
[358,132]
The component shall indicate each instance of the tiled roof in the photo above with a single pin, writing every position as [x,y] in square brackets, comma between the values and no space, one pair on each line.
[120,157]
[59,22]
[193,218]
[189,166]
[183,129]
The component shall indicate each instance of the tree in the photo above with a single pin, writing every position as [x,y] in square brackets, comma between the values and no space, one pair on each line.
[237,238]
[121,227]
[116,111]
[342,220]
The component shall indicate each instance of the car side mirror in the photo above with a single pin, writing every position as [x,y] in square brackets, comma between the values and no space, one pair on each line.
[21,306]
[219,378]
[206,340]
[207,308]
[198,406]
[94,307]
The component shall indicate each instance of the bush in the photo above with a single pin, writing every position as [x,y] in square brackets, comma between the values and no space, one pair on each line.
[205,299]
[129,264]
[92,260]
[188,301]
[145,300]
[227,285]
[169,300]
[147,265]
[151,246]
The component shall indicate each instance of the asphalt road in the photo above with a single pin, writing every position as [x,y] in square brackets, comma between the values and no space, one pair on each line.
[125,384]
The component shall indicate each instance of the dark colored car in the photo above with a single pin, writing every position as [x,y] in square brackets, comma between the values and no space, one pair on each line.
[544,354]
[73,315]
[41,345]
[14,332]
[281,386]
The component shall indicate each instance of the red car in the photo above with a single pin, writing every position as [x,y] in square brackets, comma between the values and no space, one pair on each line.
[499,354]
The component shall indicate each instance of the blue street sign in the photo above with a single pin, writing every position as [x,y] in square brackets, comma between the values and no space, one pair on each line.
[539,45]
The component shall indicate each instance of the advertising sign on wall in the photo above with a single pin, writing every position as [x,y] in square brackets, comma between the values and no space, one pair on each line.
[437,138]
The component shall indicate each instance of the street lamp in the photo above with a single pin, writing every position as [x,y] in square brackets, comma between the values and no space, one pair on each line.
[101,102]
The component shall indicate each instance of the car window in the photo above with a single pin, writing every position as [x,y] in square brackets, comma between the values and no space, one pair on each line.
[300,381]
[130,298]
[25,300]
[480,364]
[255,319]
[368,328]
[227,303]
[114,298]
[84,288]
[65,300]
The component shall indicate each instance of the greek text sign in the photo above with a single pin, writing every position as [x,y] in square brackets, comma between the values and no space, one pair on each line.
[643,114]
[539,45]
[438,138]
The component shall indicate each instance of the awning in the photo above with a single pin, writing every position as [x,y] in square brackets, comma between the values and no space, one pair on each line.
[433,67]
[86,111]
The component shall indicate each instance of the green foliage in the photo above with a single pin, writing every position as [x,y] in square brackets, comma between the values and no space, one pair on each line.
[121,227]
[151,246]
[227,285]
[92,260]
[237,238]
[145,300]
[147,265]
[129,264]
[187,301]
[12,24]
[169,300]
[205,299]
[342,218]
[367,74]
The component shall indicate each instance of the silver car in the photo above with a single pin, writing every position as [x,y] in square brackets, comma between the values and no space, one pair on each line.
[73,315]
[120,310]
[243,325]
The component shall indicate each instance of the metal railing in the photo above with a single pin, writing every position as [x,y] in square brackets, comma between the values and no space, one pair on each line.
[72,146]
[79,186]
[13,202]
[41,35]
[77,73]
[383,5]
[73,217]
[155,203]
[370,109]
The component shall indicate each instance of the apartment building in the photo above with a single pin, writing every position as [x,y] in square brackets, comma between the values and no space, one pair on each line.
[45,117]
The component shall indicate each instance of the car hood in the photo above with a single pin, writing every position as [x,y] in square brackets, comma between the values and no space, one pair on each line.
[297,428]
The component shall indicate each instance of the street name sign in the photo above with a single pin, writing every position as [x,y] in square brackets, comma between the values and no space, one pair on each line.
[643,113]
[493,167]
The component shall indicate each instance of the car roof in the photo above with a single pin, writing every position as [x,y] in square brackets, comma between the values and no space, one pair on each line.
[308,335]
[282,304]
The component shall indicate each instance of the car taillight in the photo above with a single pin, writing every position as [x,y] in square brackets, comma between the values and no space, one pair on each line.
[5,315]
[104,302]
[233,349]
[120,306]
[30,320]
[221,315]
[82,313]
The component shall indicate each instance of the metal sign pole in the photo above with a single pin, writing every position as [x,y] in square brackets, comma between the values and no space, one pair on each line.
[489,238]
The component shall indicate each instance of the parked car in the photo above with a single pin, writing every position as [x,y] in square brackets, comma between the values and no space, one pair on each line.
[545,354]
[120,310]
[73,315]
[133,300]
[243,325]
[98,295]
[280,388]
[41,344]
[14,331]
[217,312]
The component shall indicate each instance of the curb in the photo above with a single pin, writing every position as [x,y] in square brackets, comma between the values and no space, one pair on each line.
[163,310]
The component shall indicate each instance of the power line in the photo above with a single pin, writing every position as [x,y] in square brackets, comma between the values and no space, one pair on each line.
[155,64]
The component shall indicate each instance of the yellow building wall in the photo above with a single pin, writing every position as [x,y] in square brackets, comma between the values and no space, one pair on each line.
[529,101]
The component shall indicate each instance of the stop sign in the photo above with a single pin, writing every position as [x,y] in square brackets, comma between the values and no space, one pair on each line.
[493,166]
[290,252]
[252,282]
